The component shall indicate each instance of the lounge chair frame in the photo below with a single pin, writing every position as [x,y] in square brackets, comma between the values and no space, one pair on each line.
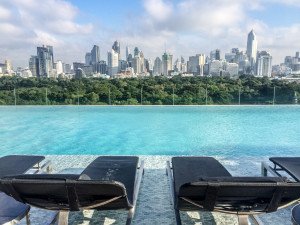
[242,217]
[63,215]
[265,168]
[38,169]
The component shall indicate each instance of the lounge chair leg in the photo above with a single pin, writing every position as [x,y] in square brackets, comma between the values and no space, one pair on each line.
[63,218]
[177,217]
[53,218]
[264,171]
[28,218]
[256,220]
[130,216]
[243,219]
[171,183]
[136,193]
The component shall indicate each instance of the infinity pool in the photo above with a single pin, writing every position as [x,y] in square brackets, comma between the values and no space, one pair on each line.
[213,130]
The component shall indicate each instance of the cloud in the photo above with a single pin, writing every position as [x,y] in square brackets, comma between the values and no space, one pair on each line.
[30,23]
[4,13]
[191,15]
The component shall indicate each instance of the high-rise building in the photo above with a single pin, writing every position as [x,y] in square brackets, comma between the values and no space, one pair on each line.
[34,65]
[165,64]
[79,73]
[216,67]
[95,53]
[127,52]
[116,47]
[235,50]
[59,67]
[182,59]
[67,68]
[112,62]
[136,52]
[177,66]
[8,65]
[136,65]
[157,67]
[232,69]
[264,64]
[102,67]
[252,48]
[149,65]
[218,54]
[230,57]
[297,55]
[88,58]
[196,63]
[122,65]
[170,62]
[142,62]
[45,61]
[77,65]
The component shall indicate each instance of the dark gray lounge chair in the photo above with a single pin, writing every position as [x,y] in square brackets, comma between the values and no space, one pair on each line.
[108,183]
[290,165]
[203,184]
[12,211]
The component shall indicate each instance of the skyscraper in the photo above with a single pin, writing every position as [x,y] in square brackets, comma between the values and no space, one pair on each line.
[136,52]
[157,67]
[34,65]
[196,64]
[95,57]
[112,62]
[59,67]
[127,52]
[218,54]
[102,67]
[165,64]
[88,58]
[116,47]
[45,61]
[264,64]
[252,48]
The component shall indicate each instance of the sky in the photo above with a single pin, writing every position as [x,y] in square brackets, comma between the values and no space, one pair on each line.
[182,27]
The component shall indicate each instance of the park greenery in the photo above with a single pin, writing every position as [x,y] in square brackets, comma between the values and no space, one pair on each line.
[147,91]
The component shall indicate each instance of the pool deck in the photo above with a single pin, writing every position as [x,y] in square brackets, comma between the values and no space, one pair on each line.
[154,201]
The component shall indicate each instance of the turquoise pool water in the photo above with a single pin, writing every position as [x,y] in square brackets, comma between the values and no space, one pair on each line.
[213,130]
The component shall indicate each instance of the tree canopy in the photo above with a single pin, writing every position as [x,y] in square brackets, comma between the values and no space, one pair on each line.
[148,91]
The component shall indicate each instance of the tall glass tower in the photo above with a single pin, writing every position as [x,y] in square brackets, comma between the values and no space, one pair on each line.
[252,48]
[45,61]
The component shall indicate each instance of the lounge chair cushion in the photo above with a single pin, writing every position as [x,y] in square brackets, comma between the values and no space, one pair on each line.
[17,164]
[10,209]
[189,169]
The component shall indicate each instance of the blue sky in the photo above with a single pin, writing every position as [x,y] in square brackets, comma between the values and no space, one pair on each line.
[186,27]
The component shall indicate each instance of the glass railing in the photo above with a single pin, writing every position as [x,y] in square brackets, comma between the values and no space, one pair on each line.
[153,91]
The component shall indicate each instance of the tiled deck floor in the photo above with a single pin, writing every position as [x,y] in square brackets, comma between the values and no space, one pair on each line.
[154,202]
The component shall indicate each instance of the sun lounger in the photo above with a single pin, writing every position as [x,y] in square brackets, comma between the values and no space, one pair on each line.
[12,211]
[289,165]
[203,184]
[108,183]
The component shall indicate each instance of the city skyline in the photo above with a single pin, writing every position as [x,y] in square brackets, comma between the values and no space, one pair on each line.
[150,25]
